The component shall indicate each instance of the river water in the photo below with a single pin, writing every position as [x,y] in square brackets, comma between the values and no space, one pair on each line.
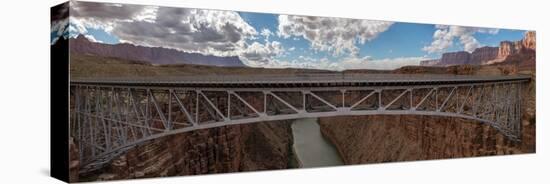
[311,148]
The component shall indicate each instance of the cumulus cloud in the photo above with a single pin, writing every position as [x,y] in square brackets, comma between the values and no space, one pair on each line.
[107,11]
[76,26]
[106,16]
[266,33]
[220,33]
[59,20]
[445,35]
[225,33]
[59,26]
[258,55]
[210,32]
[335,35]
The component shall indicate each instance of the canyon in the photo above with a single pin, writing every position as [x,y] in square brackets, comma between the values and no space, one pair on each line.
[249,147]
[488,55]
[378,139]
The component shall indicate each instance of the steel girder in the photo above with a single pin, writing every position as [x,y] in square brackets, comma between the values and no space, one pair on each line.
[108,120]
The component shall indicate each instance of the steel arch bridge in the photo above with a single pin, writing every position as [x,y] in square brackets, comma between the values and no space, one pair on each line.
[109,116]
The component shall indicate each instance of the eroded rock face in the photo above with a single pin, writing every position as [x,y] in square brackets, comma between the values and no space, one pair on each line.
[508,48]
[530,40]
[487,55]
[455,58]
[257,146]
[377,139]
[480,56]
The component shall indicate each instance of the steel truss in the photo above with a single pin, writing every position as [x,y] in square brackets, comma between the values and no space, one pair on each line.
[107,120]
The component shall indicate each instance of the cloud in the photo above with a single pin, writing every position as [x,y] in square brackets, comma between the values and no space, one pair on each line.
[59,26]
[76,27]
[445,35]
[220,33]
[107,15]
[107,11]
[259,55]
[59,21]
[335,35]
[92,38]
[225,33]
[210,32]
[53,40]
[70,27]
[266,33]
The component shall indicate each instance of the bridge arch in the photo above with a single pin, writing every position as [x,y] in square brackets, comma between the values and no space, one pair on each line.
[110,117]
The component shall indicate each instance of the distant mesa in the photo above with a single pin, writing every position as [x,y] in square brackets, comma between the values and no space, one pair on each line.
[153,55]
[508,52]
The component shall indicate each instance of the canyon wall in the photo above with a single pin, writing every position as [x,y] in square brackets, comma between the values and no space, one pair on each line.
[481,55]
[530,40]
[256,146]
[454,58]
[377,139]
[508,48]
[520,53]
[487,55]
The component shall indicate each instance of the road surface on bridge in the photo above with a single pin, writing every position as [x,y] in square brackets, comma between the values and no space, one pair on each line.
[298,80]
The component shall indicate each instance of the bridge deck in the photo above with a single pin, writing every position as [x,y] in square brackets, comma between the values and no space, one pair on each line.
[297,80]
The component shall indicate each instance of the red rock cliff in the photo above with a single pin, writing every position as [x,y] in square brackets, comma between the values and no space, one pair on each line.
[376,139]
[455,58]
[488,55]
[508,48]
[257,146]
[482,55]
[530,40]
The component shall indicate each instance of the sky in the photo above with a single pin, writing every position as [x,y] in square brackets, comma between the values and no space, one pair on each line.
[273,40]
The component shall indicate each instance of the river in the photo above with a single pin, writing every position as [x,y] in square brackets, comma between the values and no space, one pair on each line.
[310,147]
